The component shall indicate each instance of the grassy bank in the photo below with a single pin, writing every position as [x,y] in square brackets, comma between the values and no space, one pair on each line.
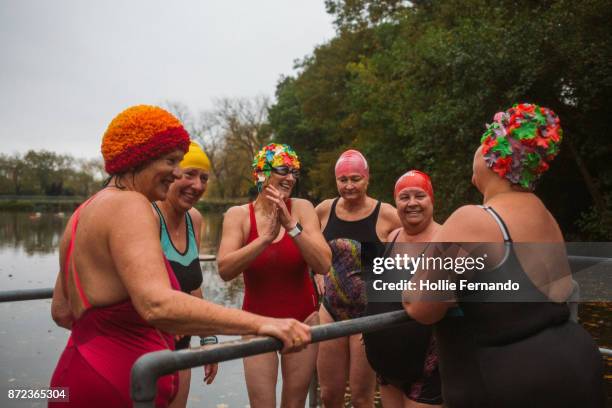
[40,203]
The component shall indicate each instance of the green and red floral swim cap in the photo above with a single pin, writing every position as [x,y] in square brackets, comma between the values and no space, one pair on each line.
[521,142]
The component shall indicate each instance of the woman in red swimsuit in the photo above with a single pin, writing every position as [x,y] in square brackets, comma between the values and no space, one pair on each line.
[272,242]
[115,290]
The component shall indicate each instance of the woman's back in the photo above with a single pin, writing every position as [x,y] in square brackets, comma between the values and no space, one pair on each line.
[107,333]
[518,348]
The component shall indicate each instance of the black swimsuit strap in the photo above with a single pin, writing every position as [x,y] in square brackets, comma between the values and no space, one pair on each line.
[500,222]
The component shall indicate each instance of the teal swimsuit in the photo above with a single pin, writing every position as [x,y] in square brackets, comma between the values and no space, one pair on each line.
[186,265]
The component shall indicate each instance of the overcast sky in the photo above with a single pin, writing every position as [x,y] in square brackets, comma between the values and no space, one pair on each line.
[69,66]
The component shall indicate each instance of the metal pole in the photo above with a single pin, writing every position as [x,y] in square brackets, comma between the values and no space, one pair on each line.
[151,366]
[25,294]
[47,293]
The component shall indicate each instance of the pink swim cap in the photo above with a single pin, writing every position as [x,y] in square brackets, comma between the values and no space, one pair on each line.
[352,161]
[414,178]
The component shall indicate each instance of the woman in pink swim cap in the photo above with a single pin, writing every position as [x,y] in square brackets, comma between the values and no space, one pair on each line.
[347,222]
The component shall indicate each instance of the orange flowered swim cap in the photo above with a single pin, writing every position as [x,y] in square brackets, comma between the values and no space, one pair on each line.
[140,134]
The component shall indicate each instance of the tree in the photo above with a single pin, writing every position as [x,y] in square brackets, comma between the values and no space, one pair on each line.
[411,85]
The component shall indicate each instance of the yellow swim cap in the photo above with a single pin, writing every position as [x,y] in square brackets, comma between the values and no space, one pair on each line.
[195,158]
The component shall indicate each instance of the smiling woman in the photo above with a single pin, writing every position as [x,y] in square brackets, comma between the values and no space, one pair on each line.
[179,228]
[272,242]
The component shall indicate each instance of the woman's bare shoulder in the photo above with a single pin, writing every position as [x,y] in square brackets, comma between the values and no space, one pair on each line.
[324,207]
[302,203]
[237,212]
[468,223]
[195,215]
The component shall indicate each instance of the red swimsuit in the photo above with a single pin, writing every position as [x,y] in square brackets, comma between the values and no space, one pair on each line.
[103,346]
[277,283]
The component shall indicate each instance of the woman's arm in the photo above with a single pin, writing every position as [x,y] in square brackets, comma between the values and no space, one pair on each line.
[388,221]
[311,242]
[233,256]
[134,244]
[429,307]
[61,313]
[60,308]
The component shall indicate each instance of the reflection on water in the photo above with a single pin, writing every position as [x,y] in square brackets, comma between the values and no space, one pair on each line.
[34,233]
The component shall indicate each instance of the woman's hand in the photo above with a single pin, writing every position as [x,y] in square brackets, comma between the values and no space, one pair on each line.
[275,196]
[320,283]
[210,372]
[270,226]
[294,335]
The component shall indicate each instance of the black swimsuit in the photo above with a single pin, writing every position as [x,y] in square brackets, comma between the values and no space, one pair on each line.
[344,288]
[516,354]
[404,356]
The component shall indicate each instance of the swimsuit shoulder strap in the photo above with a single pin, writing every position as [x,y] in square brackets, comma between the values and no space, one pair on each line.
[70,258]
[389,246]
[253,230]
[192,245]
[162,220]
[332,211]
[374,215]
[500,222]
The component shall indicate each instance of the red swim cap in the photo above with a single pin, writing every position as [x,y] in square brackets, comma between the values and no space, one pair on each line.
[352,161]
[414,178]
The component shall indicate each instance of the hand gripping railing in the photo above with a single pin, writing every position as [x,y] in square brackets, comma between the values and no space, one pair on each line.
[151,366]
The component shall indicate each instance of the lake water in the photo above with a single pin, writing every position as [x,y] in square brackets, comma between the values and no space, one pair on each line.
[30,342]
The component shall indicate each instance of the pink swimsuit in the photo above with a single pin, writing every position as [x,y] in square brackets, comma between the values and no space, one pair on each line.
[103,346]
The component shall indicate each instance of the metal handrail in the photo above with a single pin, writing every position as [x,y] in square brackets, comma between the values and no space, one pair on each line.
[152,366]
[47,293]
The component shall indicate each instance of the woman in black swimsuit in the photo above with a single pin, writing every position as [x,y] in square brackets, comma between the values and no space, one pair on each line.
[348,222]
[405,357]
[497,349]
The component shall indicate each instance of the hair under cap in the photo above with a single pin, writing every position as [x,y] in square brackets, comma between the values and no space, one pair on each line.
[140,134]
[521,142]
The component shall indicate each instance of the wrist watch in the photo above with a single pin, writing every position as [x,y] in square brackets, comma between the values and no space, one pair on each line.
[295,231]
[205,341]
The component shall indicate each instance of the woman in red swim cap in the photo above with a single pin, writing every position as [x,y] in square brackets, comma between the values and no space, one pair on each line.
[404,357]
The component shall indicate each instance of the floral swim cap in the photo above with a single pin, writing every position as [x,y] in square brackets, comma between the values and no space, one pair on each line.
[272,155]
[520,143]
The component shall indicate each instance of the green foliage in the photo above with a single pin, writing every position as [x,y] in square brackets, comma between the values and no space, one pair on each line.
[412,87]
[48,173]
